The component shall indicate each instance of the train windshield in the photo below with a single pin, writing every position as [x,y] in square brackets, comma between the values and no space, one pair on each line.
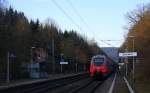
[98,61]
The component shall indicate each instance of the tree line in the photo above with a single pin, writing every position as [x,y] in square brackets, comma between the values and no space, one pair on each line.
[18,35]
[139,31]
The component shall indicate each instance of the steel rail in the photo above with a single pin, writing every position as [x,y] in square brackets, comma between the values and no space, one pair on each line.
[44,86]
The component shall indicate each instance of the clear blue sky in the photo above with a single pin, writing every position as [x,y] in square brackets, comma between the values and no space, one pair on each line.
[106,18]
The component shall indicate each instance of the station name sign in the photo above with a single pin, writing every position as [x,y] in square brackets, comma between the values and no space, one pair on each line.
[64,63]
[128,54]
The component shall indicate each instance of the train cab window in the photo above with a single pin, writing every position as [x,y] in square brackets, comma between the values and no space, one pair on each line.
[98,61]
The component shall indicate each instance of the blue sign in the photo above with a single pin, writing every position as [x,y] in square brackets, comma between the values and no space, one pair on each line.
[12,55]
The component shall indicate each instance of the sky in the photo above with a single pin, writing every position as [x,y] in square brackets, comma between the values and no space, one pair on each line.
[100,20]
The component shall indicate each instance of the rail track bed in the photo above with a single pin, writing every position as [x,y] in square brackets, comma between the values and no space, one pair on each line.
[88,88]
[81,83]
[87,85]
[83,86]
[44,86]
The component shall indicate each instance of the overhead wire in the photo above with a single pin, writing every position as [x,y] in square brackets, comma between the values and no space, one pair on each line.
[83,21]
[69,17]
[66,14]
[107,43]
[117,43]
[79,16]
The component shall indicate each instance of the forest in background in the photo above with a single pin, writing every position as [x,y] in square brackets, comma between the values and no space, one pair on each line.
[18,35]
[139,31]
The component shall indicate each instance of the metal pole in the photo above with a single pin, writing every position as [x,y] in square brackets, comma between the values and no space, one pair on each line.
[126,64]
[126,60]
[53,57]
[61,68]
[126,68]
[84,66]
[133,68]
[8,68]
[31,62]
[76,67]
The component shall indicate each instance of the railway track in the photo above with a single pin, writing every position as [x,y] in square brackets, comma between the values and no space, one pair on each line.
[90,87]
[43,87]
[83,86]
[87,85]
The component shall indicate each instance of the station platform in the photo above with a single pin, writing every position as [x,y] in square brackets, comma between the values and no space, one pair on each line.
[122,85]
[30,81]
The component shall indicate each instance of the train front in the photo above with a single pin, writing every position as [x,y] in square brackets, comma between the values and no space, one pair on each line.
[98,67]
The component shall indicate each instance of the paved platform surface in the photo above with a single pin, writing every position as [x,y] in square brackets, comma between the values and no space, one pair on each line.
[120,85]
[29,81]
[105,87]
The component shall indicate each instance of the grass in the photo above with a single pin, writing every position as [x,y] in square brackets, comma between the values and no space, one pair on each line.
[141,85]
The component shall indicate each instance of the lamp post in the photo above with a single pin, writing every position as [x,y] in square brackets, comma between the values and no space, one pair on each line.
[9,55]
[53,57]
[62,60]
[8,67]
[126,64]
[133,64]
[31,60]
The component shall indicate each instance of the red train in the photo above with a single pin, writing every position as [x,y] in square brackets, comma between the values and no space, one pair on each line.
[101,66]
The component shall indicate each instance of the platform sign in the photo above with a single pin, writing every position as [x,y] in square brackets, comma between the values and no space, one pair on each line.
[128,54]
[12,55]
[64,63]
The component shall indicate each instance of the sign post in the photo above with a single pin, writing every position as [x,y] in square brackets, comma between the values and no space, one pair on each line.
[130,54]
[9,55]
[8,67]
[63,63]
